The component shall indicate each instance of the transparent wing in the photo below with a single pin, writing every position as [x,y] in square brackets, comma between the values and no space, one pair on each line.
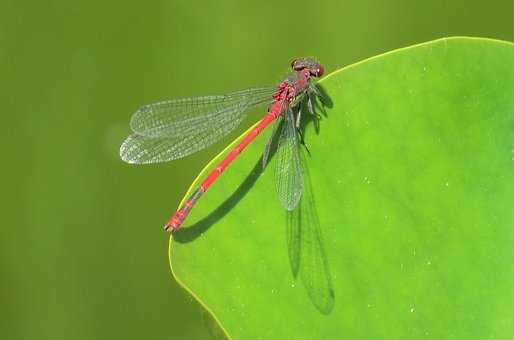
[288,168]
[139,149]
[186,116]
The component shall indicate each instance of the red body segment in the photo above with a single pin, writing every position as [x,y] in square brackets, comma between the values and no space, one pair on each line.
[286,92]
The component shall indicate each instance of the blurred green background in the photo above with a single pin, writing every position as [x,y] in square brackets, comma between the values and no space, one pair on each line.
[82,252]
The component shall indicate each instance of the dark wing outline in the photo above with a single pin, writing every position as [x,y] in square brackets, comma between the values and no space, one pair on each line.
[267,149]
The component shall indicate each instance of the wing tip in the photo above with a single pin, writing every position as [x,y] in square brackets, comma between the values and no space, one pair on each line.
[291,205]
[135,121]
[127,151]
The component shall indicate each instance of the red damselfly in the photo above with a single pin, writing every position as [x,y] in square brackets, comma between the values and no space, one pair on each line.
[173,129]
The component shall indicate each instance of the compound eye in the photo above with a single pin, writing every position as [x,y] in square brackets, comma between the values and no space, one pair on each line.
[320,70]
[297,65]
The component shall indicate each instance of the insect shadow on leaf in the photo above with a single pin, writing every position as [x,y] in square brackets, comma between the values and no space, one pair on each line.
[307,255]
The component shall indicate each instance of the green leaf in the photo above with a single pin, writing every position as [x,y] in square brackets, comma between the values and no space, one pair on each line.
[411,179]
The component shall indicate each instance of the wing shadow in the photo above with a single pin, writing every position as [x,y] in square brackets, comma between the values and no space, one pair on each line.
[306,250]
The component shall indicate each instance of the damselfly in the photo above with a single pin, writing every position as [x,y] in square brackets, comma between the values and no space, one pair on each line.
[176,128]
